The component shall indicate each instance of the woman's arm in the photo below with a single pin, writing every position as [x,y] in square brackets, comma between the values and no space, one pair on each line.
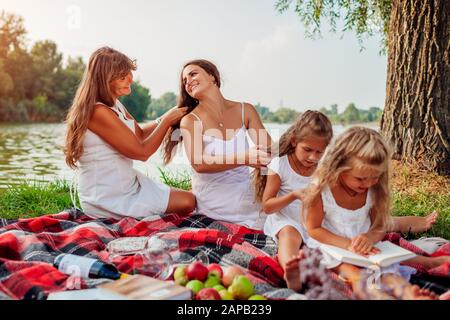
[255,127]
[191,131]
[270,202]
[105,123]
[314,221]
[147,129]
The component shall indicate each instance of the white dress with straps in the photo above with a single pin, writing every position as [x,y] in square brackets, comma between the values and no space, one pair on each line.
[109,186]
[292,214]
[349,223]
[227,195]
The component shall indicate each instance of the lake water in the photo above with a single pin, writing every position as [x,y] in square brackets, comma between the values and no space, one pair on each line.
[32,152]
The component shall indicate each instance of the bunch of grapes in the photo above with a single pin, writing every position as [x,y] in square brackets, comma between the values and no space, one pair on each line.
[316,278]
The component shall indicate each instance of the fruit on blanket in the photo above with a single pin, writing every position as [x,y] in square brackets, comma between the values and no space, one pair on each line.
[241,288]
[257,297]
[229,274]
[208,294]
[219,287]
[216,269]
[225,295]
[195,286]
[180,275]
[197,271]
[212,281]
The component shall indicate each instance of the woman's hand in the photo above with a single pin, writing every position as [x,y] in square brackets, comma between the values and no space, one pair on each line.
[362,245]
[174,115]
[256,157]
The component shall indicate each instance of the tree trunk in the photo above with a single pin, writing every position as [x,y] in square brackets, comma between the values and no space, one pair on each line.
[416,117]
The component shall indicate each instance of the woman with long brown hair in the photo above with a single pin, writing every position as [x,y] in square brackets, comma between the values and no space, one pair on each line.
[215,140]
[103,139]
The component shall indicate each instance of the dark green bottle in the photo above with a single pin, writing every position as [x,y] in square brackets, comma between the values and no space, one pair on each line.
[85,267]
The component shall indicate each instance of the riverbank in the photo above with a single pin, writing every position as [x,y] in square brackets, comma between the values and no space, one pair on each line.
[415,192]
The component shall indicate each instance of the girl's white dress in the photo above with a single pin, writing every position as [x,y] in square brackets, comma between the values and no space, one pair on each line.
[227,195]
[349,224]
[292,214]
[109,186]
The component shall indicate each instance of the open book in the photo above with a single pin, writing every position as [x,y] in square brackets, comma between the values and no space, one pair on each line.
[390,254]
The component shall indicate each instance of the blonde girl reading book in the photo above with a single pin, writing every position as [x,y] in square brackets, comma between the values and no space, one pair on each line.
[349,206]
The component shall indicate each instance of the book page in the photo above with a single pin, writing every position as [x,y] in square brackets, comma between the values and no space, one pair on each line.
[390,253]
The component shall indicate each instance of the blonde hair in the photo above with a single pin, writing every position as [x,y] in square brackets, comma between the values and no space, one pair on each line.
[356,147]
[105,65]
[309,124]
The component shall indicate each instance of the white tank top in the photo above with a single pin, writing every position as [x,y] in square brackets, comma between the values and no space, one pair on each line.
[345,222]
[227,195]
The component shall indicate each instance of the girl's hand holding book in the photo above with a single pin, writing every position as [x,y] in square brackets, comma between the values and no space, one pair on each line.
[362,245]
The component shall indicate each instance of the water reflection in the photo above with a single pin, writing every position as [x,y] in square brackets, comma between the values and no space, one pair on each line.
[33,152]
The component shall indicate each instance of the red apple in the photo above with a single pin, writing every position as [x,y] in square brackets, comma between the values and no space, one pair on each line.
[208,294]
[229,274]
[216,269]
[197,271]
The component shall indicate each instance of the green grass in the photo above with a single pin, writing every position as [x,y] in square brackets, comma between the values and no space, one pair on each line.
[413,194]
[34,199]
[423,203]
[180,180]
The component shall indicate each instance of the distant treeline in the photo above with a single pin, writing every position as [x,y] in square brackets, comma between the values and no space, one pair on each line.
[37,85]
[350,115]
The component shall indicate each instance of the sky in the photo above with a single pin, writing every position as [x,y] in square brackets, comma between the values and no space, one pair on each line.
[263,56]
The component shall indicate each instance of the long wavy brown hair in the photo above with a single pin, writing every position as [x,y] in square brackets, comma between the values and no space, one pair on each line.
[185,100]
[308,124]
[105,65]
[356,147]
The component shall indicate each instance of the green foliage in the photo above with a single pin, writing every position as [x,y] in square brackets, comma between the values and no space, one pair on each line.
[138,101]
[160,106]
[365,17]
[178,180]
[33,199]
[282,115]
[35,86]
[352,114]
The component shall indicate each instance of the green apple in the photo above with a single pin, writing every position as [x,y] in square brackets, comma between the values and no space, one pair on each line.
[241,288]
[180,276]
[219,287]
[257,297]
[225,295]
[212,280]
[195,286]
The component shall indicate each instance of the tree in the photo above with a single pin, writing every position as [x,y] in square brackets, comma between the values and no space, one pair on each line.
[351,114]
[12,33]
[138,101]
[416,36]
[286,115]
[161,105]
[70,78]
[47,67]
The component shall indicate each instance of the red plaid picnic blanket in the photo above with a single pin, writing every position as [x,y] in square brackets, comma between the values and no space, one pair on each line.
[29,246]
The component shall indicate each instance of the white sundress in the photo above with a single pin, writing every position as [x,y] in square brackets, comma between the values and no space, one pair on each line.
[227,195]
[109,186]
[349,223]
[291,215]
